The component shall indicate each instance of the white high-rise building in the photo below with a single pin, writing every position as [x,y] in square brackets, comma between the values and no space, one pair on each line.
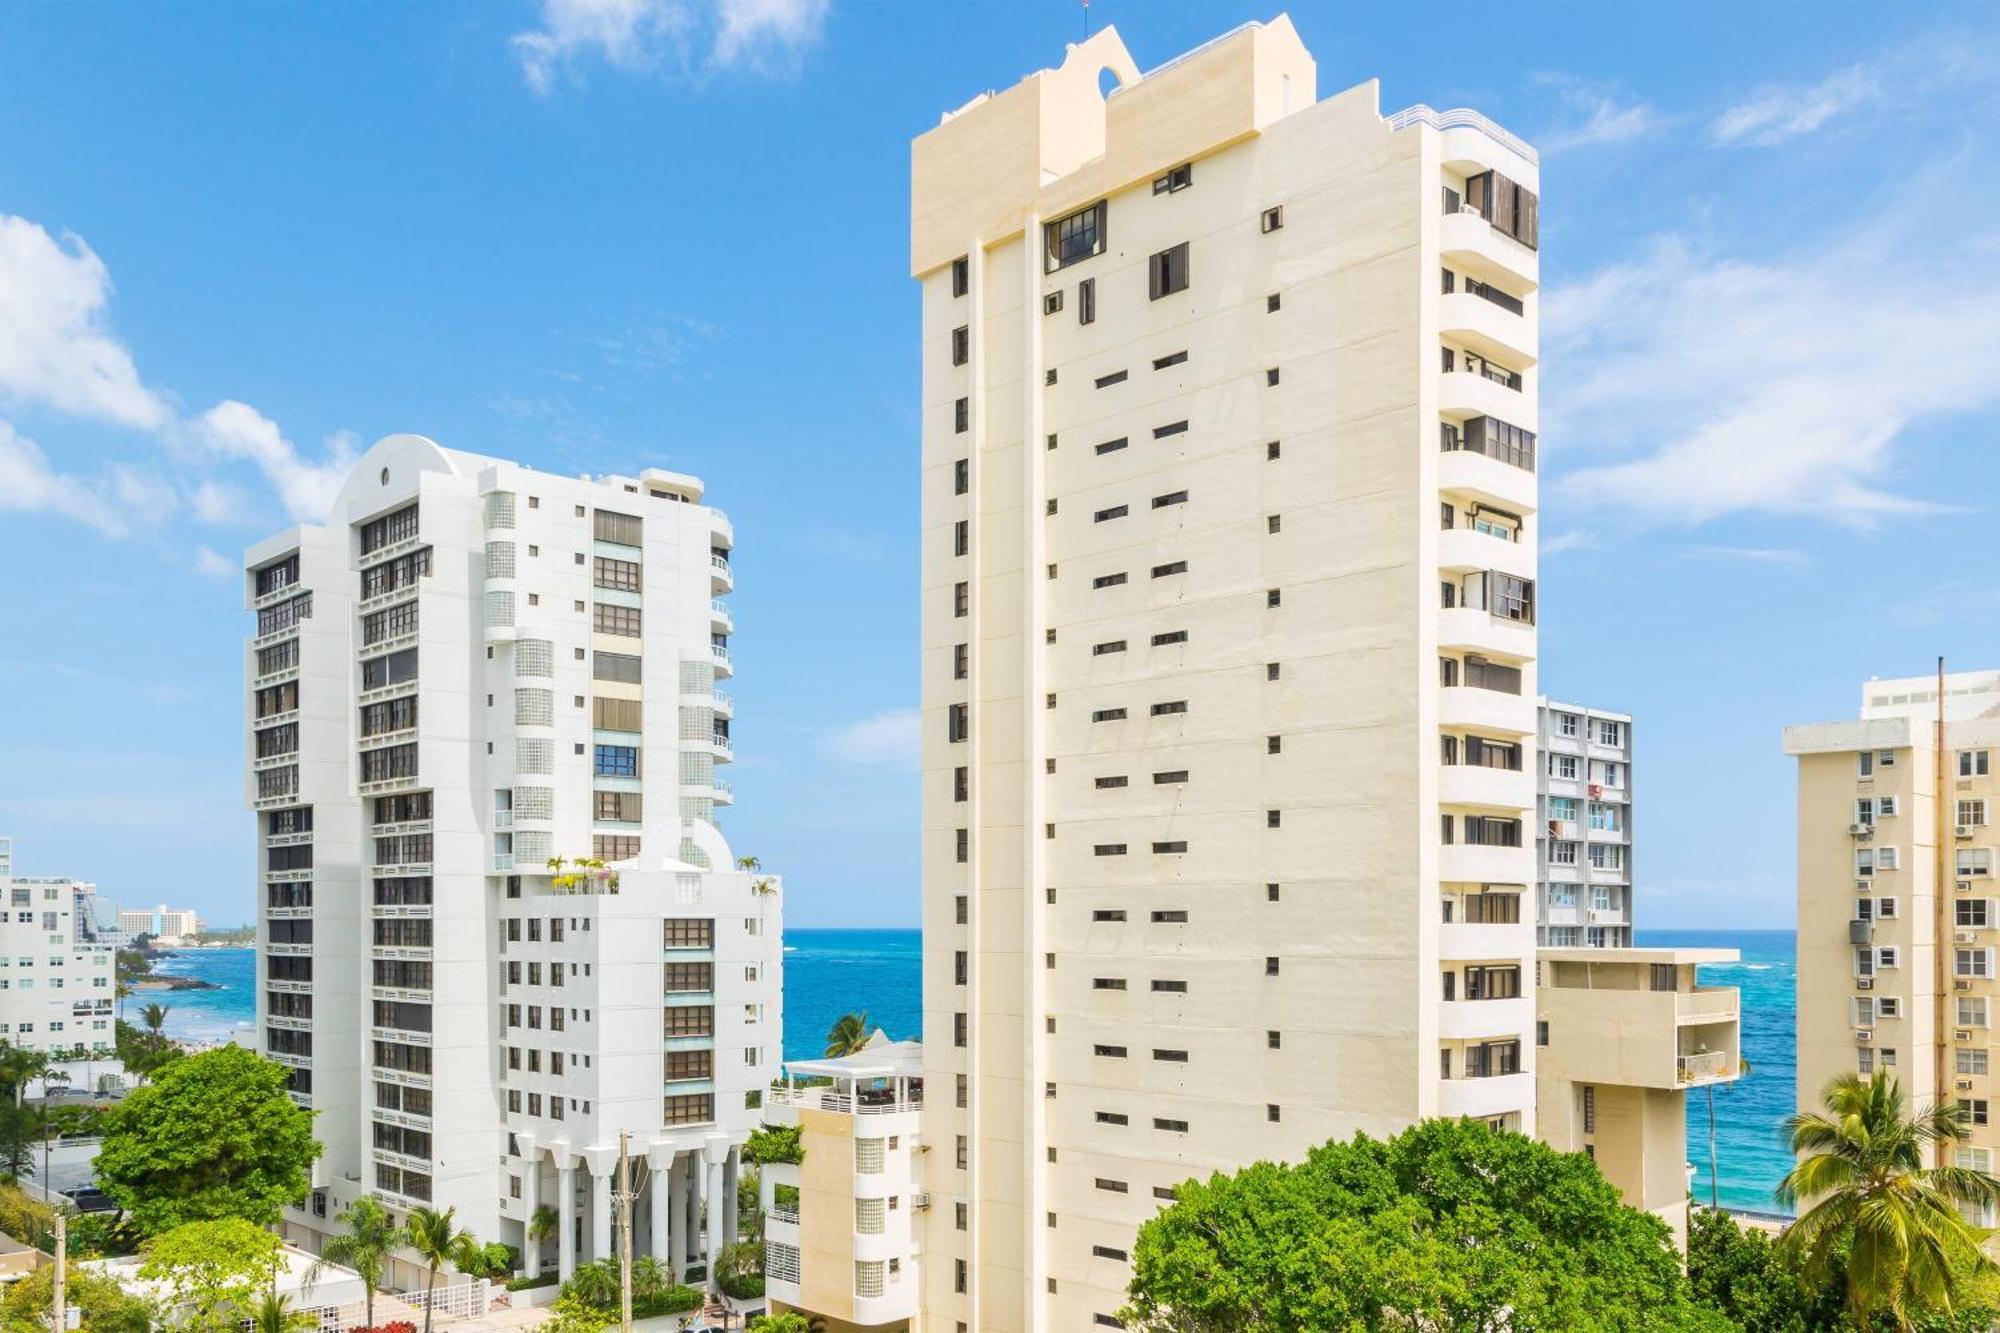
[1229,535]
[1583,836]
[470,677]
[58,974]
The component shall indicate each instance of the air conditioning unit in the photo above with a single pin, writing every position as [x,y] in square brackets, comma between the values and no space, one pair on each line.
[1963,830]
[1860,830]
[1964,1085]
[1963,937]
[1965,886]
[921,1199]
[1863,1034]
[1963,1034]
[1864,983]
[1962,984]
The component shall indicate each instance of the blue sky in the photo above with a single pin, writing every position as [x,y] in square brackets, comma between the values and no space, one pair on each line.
[238,242]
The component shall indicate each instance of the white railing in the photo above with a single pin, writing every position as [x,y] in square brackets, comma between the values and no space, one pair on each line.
[1461,118]
[1703,1064]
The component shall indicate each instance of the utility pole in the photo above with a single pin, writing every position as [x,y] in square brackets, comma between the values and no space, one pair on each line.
[61,1283]
[623,1197]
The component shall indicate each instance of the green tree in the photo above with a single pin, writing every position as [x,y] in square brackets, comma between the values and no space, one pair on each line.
[215,1135]
[573,1315]
[438,1240]
[542,1229]
[105,1306]
[774,1143]
[20,1066]
[20,1132]
[364,1242]
[212,1272]
[1739,1271]
[154,1016]
[1874,1206]
[1447,1226]
[848,1034]
[595,1284]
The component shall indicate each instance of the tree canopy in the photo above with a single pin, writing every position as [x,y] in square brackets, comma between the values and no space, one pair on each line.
[213,1136]
[1449,1227]
[213,1272]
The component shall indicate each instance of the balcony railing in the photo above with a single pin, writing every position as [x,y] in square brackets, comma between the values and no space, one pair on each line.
[1488,292]
[1703,1064]
[1496,439]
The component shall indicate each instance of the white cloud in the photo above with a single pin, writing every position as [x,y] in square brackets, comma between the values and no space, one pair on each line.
[30,485]
[216,501]
[1597,116]
[1778,114]
[239,431]
[886,740]
[56,348]
[1783,386]
[1573,540]
[214,563]
[639,36]
[1756,555]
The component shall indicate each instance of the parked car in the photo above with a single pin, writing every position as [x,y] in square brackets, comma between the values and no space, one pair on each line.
[90,1199]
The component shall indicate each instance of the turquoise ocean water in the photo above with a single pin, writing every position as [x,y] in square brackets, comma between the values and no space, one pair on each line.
[830,972]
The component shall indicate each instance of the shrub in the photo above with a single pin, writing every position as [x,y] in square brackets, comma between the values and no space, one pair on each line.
[674,1300]
[393,1326]
[529,1283]
[742,1286]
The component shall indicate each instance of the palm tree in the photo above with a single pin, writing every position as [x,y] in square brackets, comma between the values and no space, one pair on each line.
[438,1240]
[748,863]
[154,1016]
[1896,1221]
[542,1225]
[595,1283]
[364,1246]
[1715,1180]
[275,1315]
[848,1034]
[20,1066]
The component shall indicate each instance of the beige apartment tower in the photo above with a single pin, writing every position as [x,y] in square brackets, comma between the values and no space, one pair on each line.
[1897,911]
[1228,645]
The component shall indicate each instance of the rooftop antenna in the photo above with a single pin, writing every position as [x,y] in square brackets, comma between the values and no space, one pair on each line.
[1086,20]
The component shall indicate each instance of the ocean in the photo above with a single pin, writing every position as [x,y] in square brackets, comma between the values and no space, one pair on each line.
[880,972]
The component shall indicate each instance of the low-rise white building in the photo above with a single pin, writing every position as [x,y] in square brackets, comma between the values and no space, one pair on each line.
[58,987]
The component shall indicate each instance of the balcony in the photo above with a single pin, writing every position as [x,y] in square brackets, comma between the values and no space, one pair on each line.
[1474,1020]
[724,704]
[1460,864]
[1465,393]
[1462,940]
[1608,1023]
[1467,549]
[720,743]
[719,615]
[1486,710]
[719,654]
[720,577]
[1482,1097]
[1478,630]
[1473,245]
[1478,321]
[1489,479]
[1490,788]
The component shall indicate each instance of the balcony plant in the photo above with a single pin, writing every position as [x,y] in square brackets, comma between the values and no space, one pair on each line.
[774,1143]
[586,875]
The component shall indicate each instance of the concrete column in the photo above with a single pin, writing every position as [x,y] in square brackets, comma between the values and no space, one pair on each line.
[677,1216]
[696,1179]
[565,1220]
[531,1199]
[729,1177]
[716,1208]
[657,1196]
[600,1215]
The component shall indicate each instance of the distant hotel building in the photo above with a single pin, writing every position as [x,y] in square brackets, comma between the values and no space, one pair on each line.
[472,675]
[1583,836]
[58,975]
[167,925]
[1898,914]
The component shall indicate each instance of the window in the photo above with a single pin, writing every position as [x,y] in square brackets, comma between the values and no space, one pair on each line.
[1972,962]
[1971,1060]
[1170,706]
[961,599]
[1106,515]
[1108,715]
[1167,271]
[1086,303]
[1106,381]
[620,575]
[1178,179]
[1170,498]
[1112,446]
[1073,239]
[1272,303]
[1170,637]
[1107,580]
[1969,913]
[617,761]
[961,345]
[1972,1011]
[1053,302]
[1971,813]
[961,275]
[615,620]
[1972,763]
[961,476]
[961,416]
[1172,428]
[1170,776]
[1274,218]
[1171,359]
[1172,567]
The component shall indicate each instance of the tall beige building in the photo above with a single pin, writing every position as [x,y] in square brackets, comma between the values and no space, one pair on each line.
[1229,408]
[1897,910]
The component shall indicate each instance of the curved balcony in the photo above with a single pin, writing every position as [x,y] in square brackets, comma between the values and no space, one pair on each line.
[720,577]
[719,616]
[1467,549]
[1487,788]
[1487,1096]
[1469,473]
[1487,328]
[1466,941]
[1480,631]
[1477,1020]
[1460,864]
[720,656]
[1486,710]
[1466,393]
[1473,245]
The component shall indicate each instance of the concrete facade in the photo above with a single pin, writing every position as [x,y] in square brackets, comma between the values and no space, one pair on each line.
[1896,901]
[1583,833]
[58,974]
[1228,568]
[470,678]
